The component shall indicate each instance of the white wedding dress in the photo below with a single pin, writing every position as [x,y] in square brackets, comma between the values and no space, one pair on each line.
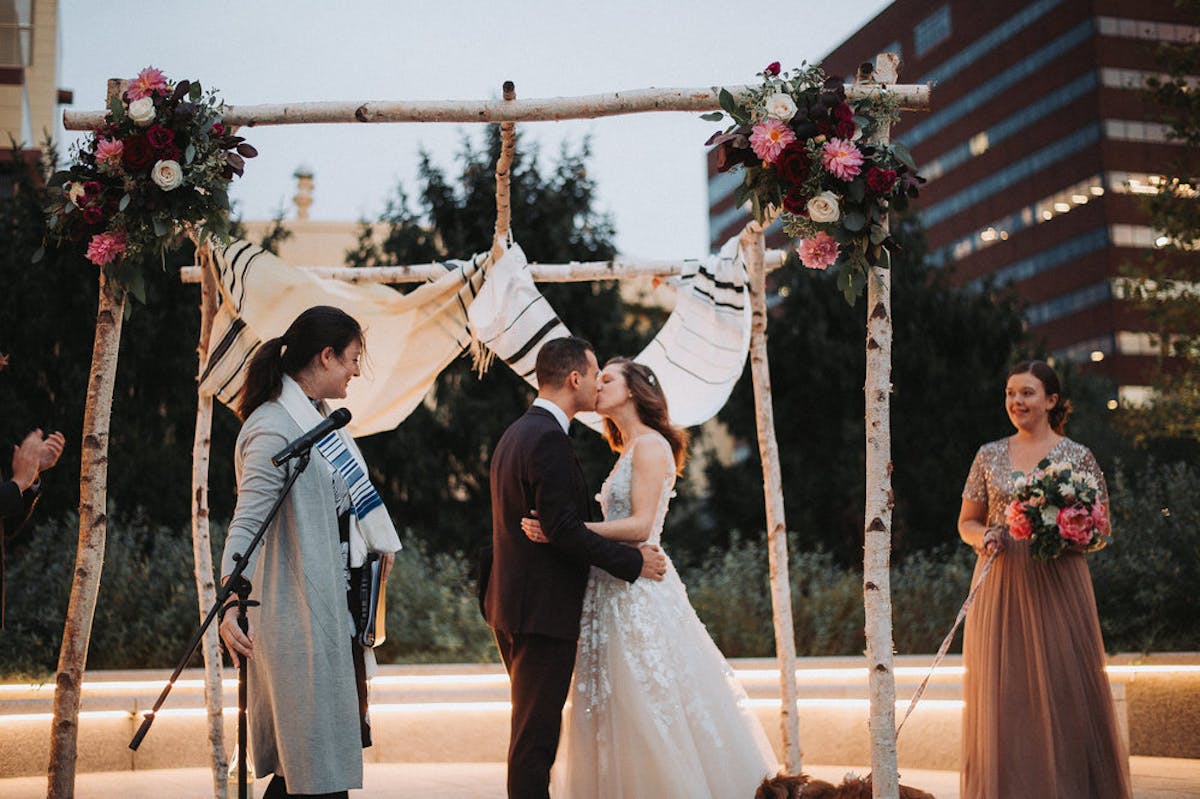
[654,709]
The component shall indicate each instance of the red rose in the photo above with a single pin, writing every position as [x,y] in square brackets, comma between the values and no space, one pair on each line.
[159,137]
[881,181]
[169,153]
[843,113]
[844,129]
[792,164]
[91,188]
[217,129]
[93,215]
[138,153]
[772,68]
[795,202]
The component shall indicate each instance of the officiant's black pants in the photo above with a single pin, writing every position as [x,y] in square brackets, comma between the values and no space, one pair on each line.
[539,668]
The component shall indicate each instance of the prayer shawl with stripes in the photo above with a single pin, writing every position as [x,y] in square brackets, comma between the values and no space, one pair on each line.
[410,337]
[698,355]
[371,528]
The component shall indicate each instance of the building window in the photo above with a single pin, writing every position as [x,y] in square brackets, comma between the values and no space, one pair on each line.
[932,31]
[16,33]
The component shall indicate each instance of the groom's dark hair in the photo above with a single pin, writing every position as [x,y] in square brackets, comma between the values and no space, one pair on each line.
[559,357]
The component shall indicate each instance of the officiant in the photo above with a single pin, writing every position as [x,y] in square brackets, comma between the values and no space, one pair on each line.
[307,663]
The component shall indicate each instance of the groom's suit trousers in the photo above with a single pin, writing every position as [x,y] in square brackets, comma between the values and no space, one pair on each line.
[539,668]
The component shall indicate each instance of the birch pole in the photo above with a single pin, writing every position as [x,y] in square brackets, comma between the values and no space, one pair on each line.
[93,521]
[753,244]
[635,101]
[508,147]
[206,590]
[877,536]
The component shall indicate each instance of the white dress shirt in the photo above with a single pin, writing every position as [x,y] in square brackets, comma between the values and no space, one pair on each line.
[558,413]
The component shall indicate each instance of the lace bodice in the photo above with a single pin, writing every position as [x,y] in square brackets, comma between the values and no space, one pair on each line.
[616,495]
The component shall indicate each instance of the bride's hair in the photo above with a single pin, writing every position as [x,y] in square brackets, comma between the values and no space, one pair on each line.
[651,405]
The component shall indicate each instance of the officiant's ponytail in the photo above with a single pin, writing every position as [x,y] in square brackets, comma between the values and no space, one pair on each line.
[307,337]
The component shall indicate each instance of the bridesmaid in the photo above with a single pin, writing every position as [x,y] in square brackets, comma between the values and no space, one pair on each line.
[1039,717]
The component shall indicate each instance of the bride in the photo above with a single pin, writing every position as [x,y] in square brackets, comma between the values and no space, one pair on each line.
[654,709]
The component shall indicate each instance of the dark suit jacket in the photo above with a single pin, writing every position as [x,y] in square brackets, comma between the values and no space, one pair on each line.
[538,588]
[15,508]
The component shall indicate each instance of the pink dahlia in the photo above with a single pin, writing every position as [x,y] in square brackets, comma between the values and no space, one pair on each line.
[146,84]
[770,137]
[819,252]
[841,158]
[108,155]
[105,248]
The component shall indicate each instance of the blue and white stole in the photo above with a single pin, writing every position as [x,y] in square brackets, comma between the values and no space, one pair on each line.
[371,528]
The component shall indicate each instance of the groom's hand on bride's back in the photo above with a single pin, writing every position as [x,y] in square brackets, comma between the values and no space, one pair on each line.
[654,562]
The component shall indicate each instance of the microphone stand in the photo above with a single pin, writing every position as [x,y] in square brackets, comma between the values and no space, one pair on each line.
[238,584]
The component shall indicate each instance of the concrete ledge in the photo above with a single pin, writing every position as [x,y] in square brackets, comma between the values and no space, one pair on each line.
[460,713]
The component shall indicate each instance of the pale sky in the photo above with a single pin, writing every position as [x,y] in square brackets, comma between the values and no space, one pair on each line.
[649,167]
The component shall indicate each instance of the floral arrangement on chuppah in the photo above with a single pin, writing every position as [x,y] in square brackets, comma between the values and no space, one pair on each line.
[810,155]
[1057,508]
[160,165]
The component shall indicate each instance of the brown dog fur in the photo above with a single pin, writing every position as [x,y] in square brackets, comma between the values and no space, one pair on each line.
[801,786]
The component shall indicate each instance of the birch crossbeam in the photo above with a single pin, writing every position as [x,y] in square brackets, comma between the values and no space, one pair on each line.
[575,272]
[635,101]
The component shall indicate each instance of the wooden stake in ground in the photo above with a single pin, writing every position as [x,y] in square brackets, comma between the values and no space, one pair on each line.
[93,521]
[877,537]
[206,590]
[753,249]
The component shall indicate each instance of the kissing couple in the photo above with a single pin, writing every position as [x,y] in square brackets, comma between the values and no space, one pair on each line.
[593,615]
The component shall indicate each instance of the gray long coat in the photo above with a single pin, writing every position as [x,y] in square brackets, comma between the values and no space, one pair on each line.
[303,702]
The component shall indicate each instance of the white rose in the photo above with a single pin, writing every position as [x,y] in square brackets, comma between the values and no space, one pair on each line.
[142,111]
[781,106]
[824,207]
[74,192]
[1050,515]
[167,175]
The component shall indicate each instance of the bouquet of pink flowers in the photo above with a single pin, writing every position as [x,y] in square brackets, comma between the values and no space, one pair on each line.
[161,162]
[1055,508]
[808,153]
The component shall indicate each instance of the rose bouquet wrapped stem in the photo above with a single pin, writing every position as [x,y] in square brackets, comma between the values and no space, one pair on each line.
[1057,508]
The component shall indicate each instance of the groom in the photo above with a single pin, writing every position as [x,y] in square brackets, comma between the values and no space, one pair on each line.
[532,594]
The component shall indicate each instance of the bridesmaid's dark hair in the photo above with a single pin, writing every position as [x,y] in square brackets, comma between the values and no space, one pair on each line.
[1053,386]
[651,405]
[312,331]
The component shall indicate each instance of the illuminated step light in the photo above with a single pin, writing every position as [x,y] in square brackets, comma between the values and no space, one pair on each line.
[1047,215]
[1112,405]
[1162,241]
[1062,208]
[1097,191]
[988,235]
[1097,356]
[1079,199]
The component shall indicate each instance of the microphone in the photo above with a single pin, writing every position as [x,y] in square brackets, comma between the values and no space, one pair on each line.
[338,418]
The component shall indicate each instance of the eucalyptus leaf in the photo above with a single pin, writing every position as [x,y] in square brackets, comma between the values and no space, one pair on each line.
[136,285]
[124,203]
[878,234]
[901,152]
[195,92]
[854,221]
[857,189]
[714,116]
[727,102]
[160,227]
[189,154]
[38,255]
[116,109]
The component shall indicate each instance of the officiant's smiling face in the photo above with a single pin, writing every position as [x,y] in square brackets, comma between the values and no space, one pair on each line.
[333,371]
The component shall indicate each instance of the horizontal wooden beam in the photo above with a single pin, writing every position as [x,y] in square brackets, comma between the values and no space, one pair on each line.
[574,272]
[637,101]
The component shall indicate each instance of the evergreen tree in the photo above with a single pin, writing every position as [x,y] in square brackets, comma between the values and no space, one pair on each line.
[950,355]
[1165,286]
[433,469]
